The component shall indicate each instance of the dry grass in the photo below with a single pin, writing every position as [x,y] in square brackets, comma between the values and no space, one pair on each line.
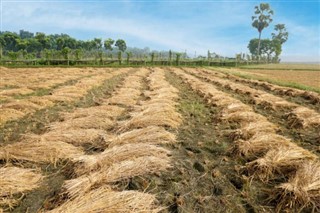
[89,122]
[18,91]
[9,114]
[24,106]
[255,128]
[302,190]
[105,200]
[244,117]
[16,180]
[89,163]
[150,135]
[39,151]
[103,111]
[261,143]
[302,117]
[116,172]
[280,160]
[77,137]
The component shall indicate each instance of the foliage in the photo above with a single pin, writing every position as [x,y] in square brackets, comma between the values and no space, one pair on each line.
[121,44]
[261,19]
[108,44]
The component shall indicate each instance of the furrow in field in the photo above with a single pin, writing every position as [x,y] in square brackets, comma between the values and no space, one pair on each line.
[271,158]
[301,122]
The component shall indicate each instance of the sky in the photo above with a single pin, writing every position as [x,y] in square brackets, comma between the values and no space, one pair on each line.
[221,26]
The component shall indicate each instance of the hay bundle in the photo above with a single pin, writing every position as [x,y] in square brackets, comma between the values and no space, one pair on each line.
[24,106]
[302,117]
[273,102]
[236,107]
[41,101]
[18,91]
[302,190]
[261,143]
[16,180]
[9,114]
[105,200]
[312,96]
[89,122]
[280,160]
[150,135]
[39,151]
[244,117]
[116,172]
[103,111]
[147,118]
[254,128]
[116,154]
[77,137]
[58,98]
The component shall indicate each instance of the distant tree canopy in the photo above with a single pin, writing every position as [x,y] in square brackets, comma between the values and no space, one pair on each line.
[270,48]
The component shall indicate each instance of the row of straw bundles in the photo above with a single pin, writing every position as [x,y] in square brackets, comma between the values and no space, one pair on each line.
[300,116]
[14,182]
[130,91]
[285,159]
[19,108]
[129,154]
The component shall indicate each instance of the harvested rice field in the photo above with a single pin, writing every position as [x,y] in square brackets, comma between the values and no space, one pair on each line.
[156,139]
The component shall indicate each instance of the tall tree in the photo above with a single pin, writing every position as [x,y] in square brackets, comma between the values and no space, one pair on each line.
[108,44]
[280,37]
[121,44]
[261,19]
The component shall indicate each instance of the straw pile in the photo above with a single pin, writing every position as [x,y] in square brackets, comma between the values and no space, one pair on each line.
[24,106]
[76,137]
[16,180]
[302,117]
[260,143]
[280,160]
[118,154]
[150,135]
[250,129]
[303,189]
[116,172]
[39,151]
[9,114]
[105,200]
[18,91]
[103,111]
[244,117]
[89,122]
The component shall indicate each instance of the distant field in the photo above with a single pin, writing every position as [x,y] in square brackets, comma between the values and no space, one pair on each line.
[285,66]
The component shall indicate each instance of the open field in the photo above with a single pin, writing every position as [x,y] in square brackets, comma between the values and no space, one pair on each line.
[285,66]
[301,79]
[156,139]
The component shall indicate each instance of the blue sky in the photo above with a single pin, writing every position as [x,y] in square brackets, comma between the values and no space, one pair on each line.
[220,26]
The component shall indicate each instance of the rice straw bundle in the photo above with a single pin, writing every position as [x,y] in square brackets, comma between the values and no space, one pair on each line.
[9,114]
[17,91]
[118,154]
[77,137]
[58,98]
[116,172]
[24,106]
[150,135]
[41,101]
[244,117]
[105,200]
[255,128]
[280,160]
[89,122]
[39,151]
[303,189]
[158,118]
[236,107]
[304,117]
[103,111]
[17,180]
[261,143]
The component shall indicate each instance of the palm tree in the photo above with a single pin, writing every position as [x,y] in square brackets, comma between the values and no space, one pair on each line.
[262,19]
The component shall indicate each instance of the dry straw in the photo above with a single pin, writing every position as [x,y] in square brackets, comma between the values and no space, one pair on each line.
[116,172]
[303,117]
[302,190]
[105,200]
[39,151]
[255,128]
[280,160]
[150,135]
[76,137]
[9,114]
[89,122]
[89,163]
[16,180]
[104,111]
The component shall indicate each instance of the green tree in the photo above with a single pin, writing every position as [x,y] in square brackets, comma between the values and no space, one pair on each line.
[78,54]
[178,56]
[261,19]
[170,56]
[128,57]
[65,53]
[121,44]
[279,38]
[152,57]
[108,44]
